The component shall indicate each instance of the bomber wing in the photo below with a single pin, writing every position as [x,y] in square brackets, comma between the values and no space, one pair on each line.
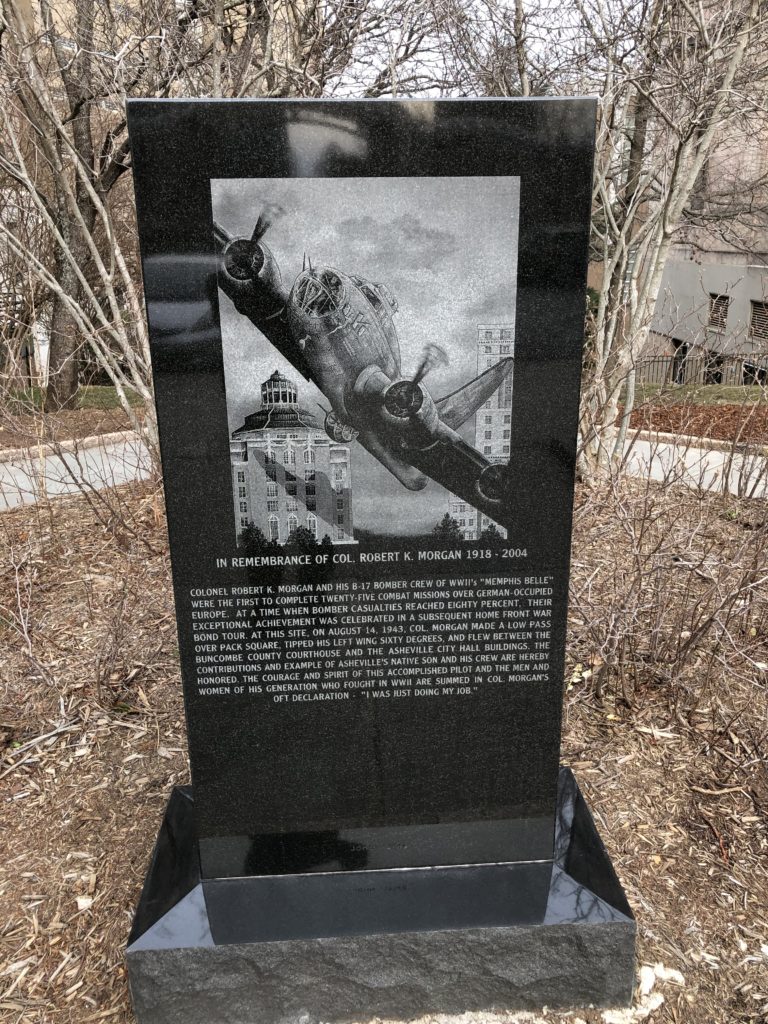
[457,407]
[407,475]
[461,469]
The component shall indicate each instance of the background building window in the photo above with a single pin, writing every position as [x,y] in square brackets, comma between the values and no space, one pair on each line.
[309,474]
[274,528]
[243,520]
[312,525]
[241,492]
[271,506]
[339,533]
[271,473]
[718,311]
[292,506]
[309,455]
[758,320]
[243,506]
[241,478]
[340,503]
[271,490]
[293,524]
[311,503]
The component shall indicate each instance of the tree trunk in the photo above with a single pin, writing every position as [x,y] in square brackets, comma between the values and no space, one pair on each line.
[61,392]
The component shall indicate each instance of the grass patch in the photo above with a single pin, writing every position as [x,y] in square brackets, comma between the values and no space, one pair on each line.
[699,394]
[89,396]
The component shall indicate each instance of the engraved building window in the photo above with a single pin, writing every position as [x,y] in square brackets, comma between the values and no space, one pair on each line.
[312,525]
[274,528]
[271,506]
[292,506]
[271,490]
[293,524]
[309,456]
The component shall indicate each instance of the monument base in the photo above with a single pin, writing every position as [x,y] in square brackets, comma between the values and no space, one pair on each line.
[344,946]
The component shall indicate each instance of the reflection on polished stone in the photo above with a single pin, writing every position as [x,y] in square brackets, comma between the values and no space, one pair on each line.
[578,887]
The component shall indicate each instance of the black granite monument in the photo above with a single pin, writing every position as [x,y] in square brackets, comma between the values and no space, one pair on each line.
[366,322]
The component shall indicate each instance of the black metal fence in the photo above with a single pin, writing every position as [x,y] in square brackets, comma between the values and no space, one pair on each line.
[703,368]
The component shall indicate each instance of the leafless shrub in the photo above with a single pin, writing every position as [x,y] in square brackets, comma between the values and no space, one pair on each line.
[669,593]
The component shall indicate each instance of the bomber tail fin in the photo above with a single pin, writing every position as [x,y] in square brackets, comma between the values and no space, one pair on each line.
[457,407]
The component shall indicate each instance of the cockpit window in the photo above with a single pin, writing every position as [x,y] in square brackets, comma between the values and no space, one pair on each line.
[319,292]
[372,297]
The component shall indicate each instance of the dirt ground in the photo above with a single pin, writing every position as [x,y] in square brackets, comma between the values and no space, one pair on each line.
[742,424]
[92,740]
[28,431]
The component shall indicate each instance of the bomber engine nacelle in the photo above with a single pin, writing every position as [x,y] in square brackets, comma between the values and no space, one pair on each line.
[405,407]
[245,262]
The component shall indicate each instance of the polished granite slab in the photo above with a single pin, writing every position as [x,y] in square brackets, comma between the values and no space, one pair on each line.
[345,945]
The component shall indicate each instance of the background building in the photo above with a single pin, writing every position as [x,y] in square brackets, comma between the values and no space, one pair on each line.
[493,422]
[286,471]
[711,322]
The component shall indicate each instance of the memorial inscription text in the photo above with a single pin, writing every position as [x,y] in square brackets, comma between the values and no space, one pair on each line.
[378,639]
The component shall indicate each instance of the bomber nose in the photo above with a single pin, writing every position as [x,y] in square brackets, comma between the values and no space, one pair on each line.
[318,292]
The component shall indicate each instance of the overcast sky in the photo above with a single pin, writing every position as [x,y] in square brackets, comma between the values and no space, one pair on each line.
[445,247]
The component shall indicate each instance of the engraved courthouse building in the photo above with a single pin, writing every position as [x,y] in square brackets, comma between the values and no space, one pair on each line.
[493,421]
[287,472]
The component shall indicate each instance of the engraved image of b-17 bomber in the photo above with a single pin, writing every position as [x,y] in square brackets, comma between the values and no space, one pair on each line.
[338,331]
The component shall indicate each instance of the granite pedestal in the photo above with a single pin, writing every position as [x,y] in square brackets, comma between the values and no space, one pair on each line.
[338,945]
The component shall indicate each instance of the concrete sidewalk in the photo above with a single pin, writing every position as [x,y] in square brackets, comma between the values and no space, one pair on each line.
[29,475]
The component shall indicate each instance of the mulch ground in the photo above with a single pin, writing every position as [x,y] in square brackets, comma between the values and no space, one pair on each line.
[741,424]
[92,740]
[28,431]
